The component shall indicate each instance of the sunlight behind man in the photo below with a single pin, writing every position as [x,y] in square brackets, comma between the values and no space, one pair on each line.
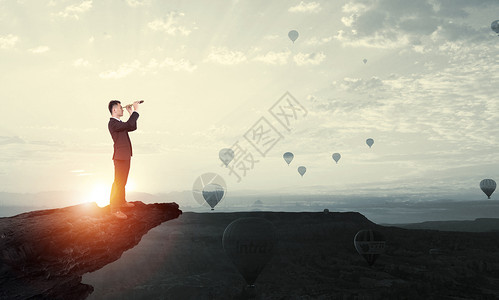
[100,193]
[130,185]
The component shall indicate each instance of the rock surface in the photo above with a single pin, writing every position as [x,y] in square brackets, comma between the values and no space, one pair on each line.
[315,259]
[43,254]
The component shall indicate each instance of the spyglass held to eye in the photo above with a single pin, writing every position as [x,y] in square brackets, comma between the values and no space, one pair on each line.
[140,102]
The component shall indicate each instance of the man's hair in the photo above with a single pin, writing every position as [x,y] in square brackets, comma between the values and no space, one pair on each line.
[111,104]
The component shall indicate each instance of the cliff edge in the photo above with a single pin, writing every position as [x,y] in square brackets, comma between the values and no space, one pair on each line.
[43,254]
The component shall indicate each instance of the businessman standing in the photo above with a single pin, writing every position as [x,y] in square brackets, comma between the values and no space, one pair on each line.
[122,153]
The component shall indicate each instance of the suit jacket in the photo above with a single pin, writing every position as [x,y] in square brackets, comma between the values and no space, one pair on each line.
[119,132]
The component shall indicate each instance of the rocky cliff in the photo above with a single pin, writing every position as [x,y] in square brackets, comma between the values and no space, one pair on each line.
[43,254]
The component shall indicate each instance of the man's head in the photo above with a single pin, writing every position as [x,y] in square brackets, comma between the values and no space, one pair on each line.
[115,108]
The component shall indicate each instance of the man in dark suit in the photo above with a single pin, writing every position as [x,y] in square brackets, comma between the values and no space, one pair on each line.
[122,153]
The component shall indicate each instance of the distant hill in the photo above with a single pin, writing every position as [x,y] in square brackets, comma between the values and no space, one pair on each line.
[477,225]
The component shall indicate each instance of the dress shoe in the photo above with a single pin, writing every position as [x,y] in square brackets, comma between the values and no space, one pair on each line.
[118,214]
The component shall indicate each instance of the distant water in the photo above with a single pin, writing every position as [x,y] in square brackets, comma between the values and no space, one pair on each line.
[377,210]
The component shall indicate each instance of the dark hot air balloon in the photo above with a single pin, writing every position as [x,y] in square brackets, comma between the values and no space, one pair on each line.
[370,244]
[336,157]
[212,194]
[288,157]
[488,186]
[293,35]
[302,170]
[250,243]
[369,142]
[226,155]
[495,26]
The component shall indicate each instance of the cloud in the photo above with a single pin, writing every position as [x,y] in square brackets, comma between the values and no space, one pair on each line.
[271,37]
[122,71]
[311,7]
[8,41]
[15,148]
[224,56]
[274,58]
[6,140]
[80,62]
[302,59]
[453,107]
[382,40]
[135,3]
[354,7]
[392,24]
[352,95]
[74,11]
[39,49]
[356,85]
[170,25]
[174,64]
[314,41]
[153,66]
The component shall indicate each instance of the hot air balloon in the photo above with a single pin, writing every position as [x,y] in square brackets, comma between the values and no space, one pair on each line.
[369,142]
[302,170]
[370,244]
[364,60]
[226,155]
[212,194]
[495,26]
[336,157]
[250,244]
[211,187]
[488,186]
[288,157]
[293,35]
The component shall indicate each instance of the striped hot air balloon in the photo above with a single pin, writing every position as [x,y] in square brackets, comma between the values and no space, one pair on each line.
[370,244]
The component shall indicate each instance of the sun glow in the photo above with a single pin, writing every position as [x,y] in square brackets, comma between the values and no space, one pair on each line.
[130,185]
[100,194]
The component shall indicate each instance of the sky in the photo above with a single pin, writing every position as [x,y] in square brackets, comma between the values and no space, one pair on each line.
[225,74]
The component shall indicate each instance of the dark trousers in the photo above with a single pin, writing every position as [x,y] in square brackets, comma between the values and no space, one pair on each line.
[121,169]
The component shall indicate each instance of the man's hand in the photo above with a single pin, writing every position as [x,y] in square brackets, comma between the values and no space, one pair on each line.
[136,105]
[129,108]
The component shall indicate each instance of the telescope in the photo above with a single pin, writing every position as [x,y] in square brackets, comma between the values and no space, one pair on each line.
[140,102]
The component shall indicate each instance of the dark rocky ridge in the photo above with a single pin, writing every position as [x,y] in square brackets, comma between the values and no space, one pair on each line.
[43,254]
[315,259]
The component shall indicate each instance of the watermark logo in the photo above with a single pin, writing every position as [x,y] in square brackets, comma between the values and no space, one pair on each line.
[288,110]
[263,136]
[209,188]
